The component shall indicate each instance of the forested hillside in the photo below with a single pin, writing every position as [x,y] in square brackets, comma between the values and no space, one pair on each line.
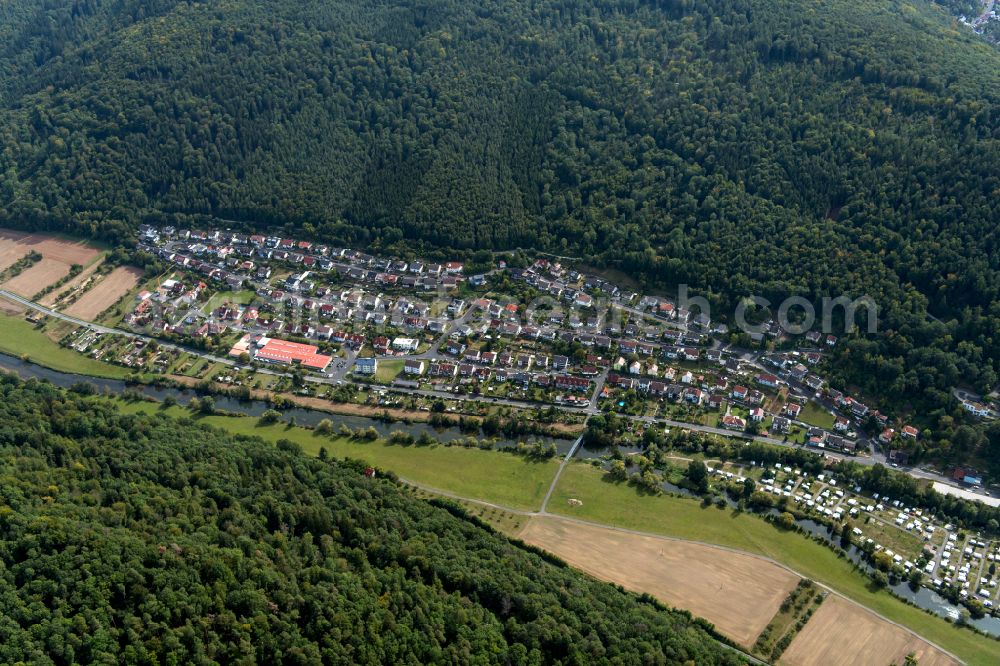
[741,146]
[129,539]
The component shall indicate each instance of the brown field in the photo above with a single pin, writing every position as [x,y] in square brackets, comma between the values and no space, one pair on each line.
[55,295]
[738,593]
[57,257]
[841,632]
[106,292]
[35,278]
[16,244]
[10,307]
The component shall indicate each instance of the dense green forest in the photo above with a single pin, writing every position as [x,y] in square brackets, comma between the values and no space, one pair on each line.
[144,540]
[740,146]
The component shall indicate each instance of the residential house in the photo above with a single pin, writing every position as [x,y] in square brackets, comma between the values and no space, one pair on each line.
[733,422]
[767,379]
[366,366]
[976,408]
[571,383]
[405,344]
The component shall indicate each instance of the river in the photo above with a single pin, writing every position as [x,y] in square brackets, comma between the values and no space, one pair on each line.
[254,408]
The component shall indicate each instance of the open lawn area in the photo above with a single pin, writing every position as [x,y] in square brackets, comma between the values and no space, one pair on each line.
[242,297]
[20,338]
[387,371]
[493,476]
[815,415]
[621,505]
[905,543]
[508,522]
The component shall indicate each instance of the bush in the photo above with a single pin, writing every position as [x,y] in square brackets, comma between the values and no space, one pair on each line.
[401,438]
[269,417]
[786,521]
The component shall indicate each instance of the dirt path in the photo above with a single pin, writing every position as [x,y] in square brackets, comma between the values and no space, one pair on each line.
[105,292]
[53,296]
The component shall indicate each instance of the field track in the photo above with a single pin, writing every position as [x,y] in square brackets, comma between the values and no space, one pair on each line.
[105,292]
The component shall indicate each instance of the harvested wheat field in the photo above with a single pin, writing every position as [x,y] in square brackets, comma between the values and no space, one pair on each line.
[841,632]
[16,244]
[738,593]
[56,295]
[105,292]
[35,278]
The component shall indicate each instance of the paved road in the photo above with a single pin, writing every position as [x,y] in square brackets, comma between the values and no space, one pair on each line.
[596,396]
[338,377]
[112,331]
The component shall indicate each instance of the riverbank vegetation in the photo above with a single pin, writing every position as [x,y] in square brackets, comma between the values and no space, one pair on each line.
[511,480]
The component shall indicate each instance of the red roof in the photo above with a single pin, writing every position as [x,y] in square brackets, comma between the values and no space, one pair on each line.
[284,351]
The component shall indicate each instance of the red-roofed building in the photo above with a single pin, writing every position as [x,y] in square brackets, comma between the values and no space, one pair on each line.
[767,379]
[732,422]
[568,382]
[272,350]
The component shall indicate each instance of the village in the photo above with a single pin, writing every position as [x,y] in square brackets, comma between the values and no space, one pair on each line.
[273,315]
[551,335]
